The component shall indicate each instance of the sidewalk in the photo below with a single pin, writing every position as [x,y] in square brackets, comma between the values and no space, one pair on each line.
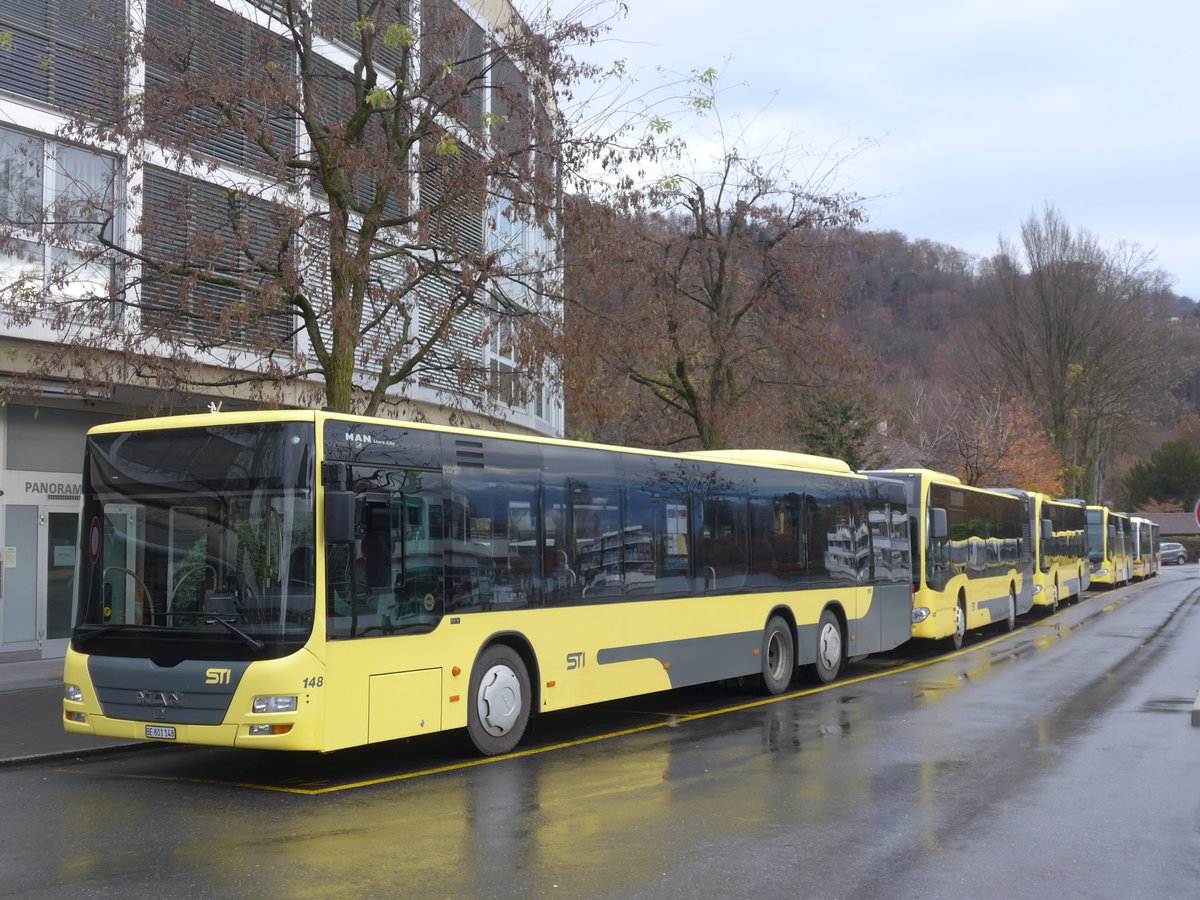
[31,716]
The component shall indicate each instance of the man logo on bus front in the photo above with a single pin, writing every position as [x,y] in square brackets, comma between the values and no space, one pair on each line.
[157,698]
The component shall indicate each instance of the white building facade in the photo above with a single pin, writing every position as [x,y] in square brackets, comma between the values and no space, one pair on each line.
[54,63]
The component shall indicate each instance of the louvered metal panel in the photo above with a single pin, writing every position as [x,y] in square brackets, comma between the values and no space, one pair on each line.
[192,38]
[188,222]
[63,52]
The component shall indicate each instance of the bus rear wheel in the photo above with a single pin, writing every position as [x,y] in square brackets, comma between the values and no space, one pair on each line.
[499,699]
[778,657]
[830,648]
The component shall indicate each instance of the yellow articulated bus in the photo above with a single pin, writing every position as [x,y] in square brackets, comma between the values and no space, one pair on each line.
[1058,539]
[312,581]
[971,557]
[1109,550]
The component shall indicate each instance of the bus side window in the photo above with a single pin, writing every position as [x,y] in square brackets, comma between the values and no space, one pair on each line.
[376,546]
[339,587]
[776,542]
[390,578]
[415,550]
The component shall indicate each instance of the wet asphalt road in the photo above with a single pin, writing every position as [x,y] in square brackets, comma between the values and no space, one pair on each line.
[1057,761]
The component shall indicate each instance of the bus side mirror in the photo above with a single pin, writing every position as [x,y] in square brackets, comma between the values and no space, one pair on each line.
[339,517]
[1047,529]
[939,528]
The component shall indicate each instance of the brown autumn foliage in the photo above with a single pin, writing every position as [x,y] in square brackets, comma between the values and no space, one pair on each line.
[698,312]
[1081,330]
[998,442]
[1061,320]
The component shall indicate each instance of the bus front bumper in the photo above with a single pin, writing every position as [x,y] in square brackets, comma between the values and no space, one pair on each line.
[280,736]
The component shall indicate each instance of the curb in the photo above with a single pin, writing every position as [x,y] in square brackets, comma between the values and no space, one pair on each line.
[14,762]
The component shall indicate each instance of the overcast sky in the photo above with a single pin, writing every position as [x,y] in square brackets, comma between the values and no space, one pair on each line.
[977,113]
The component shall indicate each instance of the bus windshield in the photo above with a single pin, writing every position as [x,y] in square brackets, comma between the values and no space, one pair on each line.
[1096,535]
[197,542]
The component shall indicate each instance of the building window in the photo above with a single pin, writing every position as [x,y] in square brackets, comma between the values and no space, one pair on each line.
[56,204]
[527,254]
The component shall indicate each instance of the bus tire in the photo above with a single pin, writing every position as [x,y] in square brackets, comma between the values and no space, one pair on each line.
[1010,621]
[955,641]
[830,648]
[499,700]
[778,657]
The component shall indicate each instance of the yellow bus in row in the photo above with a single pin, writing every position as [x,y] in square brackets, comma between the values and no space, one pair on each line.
[1109,546]
[972,564]
[1058,541]
[312,581]
[1143,545]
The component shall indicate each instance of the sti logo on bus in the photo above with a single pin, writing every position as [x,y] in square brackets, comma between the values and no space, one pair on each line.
[216,676]
[574,661]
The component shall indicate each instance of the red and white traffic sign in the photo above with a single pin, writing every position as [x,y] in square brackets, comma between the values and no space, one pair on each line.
[94,541]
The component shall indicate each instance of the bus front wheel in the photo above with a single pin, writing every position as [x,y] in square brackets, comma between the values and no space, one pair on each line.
[499,700]
[829,648]
[778,657]
[955,641]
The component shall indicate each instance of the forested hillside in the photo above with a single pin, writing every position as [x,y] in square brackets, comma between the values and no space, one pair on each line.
[1055,363]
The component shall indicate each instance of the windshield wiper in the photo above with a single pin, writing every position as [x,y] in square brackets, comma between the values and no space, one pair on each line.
[82,637]
[251,642]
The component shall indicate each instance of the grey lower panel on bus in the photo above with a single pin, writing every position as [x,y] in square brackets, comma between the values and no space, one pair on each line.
[997,607]
[695,660]
[1025,597]
[886,624]
[195,692]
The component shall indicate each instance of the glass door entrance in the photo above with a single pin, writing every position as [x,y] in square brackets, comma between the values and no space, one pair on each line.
[38,582]
[19,607]
[61,536]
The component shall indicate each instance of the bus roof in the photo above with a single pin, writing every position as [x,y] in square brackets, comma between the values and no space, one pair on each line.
[774,458]
[781,458]
[926,474]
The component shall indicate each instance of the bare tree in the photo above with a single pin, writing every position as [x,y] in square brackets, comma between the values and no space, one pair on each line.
[704,303]
[1080,331]
[356,194]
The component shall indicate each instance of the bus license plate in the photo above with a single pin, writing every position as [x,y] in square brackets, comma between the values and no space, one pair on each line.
[162,732]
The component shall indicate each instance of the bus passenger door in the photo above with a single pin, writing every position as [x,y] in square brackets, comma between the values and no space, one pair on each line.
[122,534]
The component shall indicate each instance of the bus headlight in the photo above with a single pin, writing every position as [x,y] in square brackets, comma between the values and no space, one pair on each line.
[266,730]
[1037,589]
[274,704]
[920,614]
[73,693]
